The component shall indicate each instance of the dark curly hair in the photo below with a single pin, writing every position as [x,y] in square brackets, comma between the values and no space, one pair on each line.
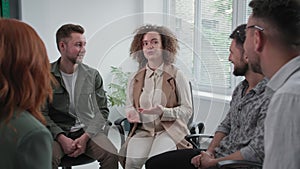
[169,44]
[281,15]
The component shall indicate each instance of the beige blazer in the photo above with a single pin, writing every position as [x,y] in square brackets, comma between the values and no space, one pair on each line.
[177,129]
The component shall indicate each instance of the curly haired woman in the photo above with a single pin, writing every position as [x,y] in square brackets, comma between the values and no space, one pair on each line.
[158,99]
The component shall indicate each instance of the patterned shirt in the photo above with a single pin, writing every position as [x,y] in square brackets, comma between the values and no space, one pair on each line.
[244,123]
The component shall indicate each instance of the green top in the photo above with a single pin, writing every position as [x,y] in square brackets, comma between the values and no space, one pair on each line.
[25,143]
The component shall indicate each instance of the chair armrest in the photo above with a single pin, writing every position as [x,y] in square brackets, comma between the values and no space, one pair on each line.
[118,124]
[237,164]
[107,126]
[194,139]
[193,127]
[119,121]
[199,136]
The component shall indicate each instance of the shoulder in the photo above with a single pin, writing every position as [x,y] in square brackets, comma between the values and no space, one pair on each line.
[55,67]
[55,62]
[171,70]
[87,67]
[88,70]
[26,124]
[139,75]
[291,85]
[176,72]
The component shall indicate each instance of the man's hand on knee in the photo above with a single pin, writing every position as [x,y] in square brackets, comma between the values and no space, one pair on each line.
[66,143]
[80,144]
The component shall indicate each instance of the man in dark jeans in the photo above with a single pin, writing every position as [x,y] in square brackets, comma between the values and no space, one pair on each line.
[78,113]
[240,134]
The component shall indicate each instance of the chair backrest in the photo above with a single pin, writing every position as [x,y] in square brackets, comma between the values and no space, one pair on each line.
[194,127]
[192,98]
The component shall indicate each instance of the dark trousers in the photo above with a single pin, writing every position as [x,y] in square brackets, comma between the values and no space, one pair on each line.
[99,148]
[177,159]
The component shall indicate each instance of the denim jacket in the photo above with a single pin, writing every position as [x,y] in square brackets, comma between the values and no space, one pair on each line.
[90,102]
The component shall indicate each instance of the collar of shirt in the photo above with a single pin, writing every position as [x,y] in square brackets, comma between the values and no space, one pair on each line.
[259,88]
[159,71]
[284,73]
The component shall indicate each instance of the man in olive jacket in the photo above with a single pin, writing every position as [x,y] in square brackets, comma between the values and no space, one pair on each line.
[78,113]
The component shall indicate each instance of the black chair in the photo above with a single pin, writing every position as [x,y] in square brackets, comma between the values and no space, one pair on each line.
[231,164]
[195,140]
[67,162]
[119,123]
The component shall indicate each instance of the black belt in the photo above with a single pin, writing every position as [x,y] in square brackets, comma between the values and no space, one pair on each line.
[76,134]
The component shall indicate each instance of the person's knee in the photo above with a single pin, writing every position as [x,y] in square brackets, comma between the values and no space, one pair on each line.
[109,160]
[153,162]
[113,157]
[135,162]
[110,154]
[150,164]
[113,150]
[103,155]
[57,154]
[56,159]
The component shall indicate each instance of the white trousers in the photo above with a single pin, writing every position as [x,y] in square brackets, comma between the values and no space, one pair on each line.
[140,148]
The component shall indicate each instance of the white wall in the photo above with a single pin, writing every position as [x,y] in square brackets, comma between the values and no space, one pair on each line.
[109,26]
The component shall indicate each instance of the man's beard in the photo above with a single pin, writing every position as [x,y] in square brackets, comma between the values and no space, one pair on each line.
[76,60]
[256,68]
[240,71]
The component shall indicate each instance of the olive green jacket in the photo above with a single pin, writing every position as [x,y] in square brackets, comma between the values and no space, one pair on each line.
[25,143]
[90,102]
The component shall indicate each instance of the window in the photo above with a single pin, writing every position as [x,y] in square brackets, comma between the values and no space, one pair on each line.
[203,28]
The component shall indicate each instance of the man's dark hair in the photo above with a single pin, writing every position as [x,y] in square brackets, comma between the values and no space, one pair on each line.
[239,34]
[281,15]
[65,32]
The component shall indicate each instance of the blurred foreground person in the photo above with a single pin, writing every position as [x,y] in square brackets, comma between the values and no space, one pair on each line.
[273,47]
[25,83]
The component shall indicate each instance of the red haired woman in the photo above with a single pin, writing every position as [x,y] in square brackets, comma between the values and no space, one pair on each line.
[25,84]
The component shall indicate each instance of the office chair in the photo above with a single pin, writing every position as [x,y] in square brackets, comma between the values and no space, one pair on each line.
[195,140]
[67,162]
[192,126]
